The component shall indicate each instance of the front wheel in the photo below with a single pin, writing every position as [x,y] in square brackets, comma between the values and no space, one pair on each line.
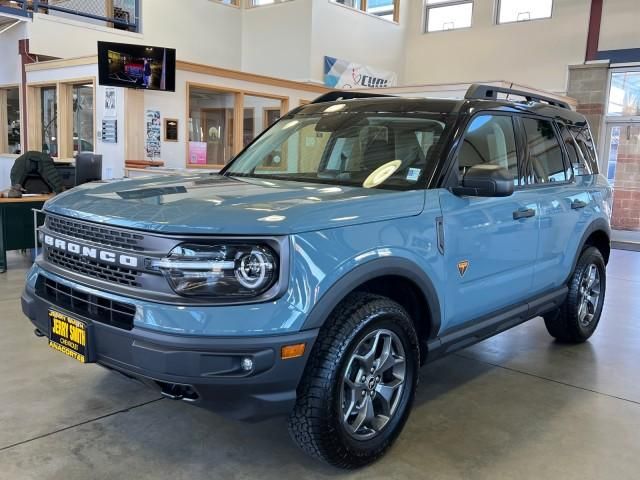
[359,385]
[577,319]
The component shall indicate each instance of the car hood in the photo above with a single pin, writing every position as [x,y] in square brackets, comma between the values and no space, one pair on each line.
[215,204]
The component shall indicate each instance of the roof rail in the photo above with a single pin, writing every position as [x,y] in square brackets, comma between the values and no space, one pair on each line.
[346,95]
[490,92]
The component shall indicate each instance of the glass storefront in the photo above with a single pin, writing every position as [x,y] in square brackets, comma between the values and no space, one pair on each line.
[83,127]
[49,120]
[210,127]
[13,120]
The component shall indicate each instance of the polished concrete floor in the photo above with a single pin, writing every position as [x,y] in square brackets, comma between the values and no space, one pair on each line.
[518,406]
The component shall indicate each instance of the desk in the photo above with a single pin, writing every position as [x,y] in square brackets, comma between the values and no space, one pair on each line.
[16,224]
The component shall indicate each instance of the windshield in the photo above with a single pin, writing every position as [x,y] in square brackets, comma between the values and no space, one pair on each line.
[371,150]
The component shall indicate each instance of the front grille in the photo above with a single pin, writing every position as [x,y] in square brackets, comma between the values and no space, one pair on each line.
[91,268]
[94,233]
[100,309]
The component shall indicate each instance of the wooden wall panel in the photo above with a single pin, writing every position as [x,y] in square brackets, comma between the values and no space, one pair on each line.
[65,120]
[34,112]
[134,128]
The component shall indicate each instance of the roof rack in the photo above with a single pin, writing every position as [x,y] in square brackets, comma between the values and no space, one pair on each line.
[490,92]
[346,95]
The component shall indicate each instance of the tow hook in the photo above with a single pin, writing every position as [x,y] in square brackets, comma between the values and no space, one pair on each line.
[178,392]
[38,333]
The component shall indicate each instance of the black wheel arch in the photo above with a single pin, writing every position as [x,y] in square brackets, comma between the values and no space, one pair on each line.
[598,235]
[366,275]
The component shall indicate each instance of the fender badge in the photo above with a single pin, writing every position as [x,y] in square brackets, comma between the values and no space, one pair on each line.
[463,266]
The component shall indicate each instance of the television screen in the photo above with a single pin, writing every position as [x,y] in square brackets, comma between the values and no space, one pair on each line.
[136,66]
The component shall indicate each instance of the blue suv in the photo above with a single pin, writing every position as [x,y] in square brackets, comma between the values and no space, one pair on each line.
[356,239]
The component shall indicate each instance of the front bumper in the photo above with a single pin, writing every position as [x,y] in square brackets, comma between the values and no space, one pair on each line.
[199,369]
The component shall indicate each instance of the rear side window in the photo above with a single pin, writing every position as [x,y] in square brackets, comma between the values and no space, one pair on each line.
[545,161]
[489,140]
[583,139]
[573,152]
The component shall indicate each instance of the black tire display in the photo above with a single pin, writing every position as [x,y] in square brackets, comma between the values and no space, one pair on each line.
[577,319]
[358,387]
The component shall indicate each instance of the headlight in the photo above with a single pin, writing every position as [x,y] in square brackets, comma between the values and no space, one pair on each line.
[225,270]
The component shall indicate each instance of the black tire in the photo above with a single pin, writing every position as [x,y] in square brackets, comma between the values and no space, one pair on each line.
[565,323]
[316,423]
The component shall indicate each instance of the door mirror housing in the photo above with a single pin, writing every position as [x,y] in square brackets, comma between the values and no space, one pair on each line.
[485,181]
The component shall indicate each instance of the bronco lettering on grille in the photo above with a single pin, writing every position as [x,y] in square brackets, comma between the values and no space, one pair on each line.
[91,252]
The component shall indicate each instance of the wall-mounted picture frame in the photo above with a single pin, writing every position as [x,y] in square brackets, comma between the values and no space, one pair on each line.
[171,130]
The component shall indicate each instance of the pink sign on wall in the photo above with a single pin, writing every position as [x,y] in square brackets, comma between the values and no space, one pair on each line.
[197,153]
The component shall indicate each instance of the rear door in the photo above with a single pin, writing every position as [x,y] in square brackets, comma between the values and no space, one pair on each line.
[565,205]
[490,243]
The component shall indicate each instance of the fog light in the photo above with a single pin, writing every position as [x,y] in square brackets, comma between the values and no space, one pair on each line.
[247,364]
[292,351]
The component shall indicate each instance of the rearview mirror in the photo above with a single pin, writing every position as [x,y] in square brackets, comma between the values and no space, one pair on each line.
[485,181]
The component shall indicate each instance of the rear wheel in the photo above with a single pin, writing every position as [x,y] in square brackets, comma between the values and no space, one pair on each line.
[359,385]
[577,319]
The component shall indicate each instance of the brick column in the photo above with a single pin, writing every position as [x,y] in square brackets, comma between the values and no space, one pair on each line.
[588,85]
[626,195]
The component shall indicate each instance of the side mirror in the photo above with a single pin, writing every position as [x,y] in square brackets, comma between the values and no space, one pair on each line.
[486,181]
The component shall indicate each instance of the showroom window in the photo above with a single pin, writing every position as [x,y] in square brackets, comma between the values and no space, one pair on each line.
[624,94]
[510,11]
[210,127]
[49,120]
[235,3]
[83,127]
[214,115]
[260,3]
[448,15]
[257,113]
[387,9]
[10,118]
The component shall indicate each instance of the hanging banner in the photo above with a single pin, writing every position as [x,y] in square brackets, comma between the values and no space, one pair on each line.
[344,74]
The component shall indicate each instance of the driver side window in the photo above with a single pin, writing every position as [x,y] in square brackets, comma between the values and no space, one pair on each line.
[489,140]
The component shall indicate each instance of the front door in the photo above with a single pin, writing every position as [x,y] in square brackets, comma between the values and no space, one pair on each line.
[621,165]
[490,243]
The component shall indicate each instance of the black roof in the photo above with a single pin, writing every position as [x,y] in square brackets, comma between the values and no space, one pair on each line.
[478,97]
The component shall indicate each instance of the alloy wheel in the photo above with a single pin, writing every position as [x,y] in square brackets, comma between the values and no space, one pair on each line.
[373,384]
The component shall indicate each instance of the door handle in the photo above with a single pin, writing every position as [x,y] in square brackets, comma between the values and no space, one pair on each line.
[524,213]
[576,204]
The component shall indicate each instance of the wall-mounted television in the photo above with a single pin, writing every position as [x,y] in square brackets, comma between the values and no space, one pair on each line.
[136,66]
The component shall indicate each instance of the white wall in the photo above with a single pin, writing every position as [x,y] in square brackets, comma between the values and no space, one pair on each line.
[534,53]
[10,70]
[349,34]
[620,26]
[214,40]
[276,40]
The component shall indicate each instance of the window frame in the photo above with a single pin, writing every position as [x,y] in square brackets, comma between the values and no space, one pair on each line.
[249,3]
[453,177]
[235,4]
[526,153]
[4,129]
[497,15]
[363,9]
[64,119]
[449,3]
[238,119]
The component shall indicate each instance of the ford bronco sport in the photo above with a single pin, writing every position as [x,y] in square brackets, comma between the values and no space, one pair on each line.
[354,240]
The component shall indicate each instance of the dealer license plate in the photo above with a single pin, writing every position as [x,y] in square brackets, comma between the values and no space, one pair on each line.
[68,335]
